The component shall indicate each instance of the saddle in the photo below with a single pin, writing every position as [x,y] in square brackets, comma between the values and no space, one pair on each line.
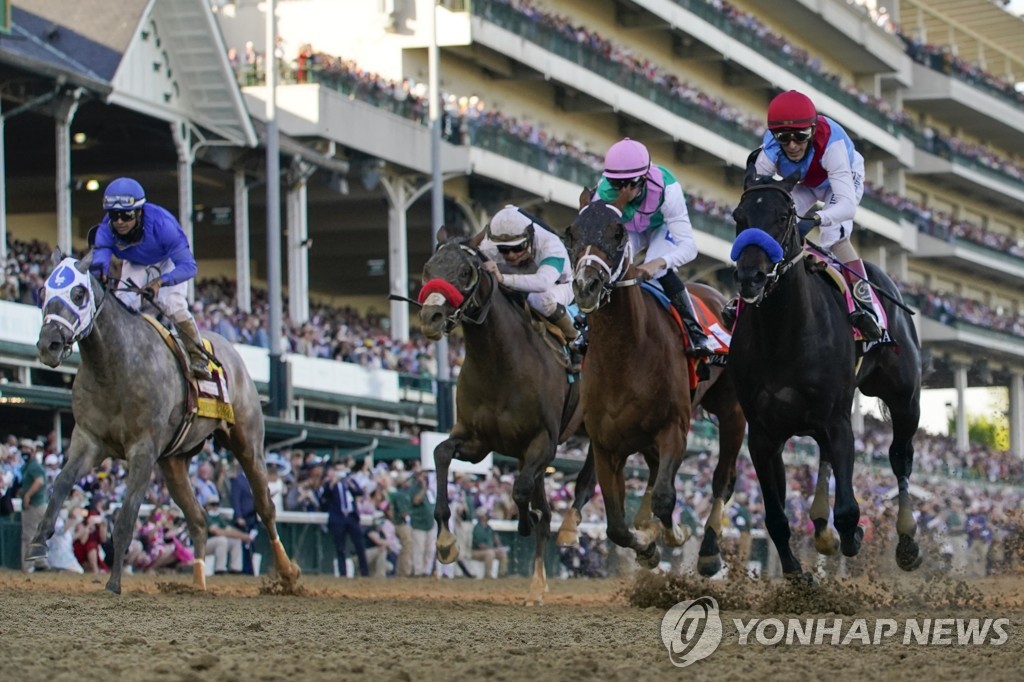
[202,398]
[566,354]
[718,336]
[817,263]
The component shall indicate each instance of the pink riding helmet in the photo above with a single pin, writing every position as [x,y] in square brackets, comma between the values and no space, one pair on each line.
[626,159]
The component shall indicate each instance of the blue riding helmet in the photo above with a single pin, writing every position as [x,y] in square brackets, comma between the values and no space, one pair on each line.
[123,194]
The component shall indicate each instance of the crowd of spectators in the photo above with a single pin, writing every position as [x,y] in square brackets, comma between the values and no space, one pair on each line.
[966,501]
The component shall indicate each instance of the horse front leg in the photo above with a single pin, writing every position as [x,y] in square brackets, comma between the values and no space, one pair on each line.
[586,483]
[139,458]
[82,452]
[671,446]
[766,454]
[179,485]
[826,542]
[458,446]
[541,534]
[731,428]
[613,488]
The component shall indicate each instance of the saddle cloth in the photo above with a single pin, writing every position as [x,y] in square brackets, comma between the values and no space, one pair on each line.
[719,337]
[836,277]
[206,398]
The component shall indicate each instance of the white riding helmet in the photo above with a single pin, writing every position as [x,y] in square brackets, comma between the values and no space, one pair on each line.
[510,227]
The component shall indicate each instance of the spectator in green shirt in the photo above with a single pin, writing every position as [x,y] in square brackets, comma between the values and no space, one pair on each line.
[224,540]
[33,501]
[486,547]
[401,505]
[424,532]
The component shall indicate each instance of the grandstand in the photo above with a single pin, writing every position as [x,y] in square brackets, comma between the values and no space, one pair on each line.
[534,92]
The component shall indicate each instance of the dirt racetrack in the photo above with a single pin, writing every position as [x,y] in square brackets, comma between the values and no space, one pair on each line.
[63,627]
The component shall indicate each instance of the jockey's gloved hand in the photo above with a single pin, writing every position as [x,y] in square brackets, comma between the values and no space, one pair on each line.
[152,288]
[808,223]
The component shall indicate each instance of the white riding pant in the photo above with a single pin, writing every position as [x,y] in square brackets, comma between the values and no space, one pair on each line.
[806,197]
[545,302]
[171,298]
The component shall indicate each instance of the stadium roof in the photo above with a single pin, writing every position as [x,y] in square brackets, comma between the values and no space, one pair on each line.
[982,30]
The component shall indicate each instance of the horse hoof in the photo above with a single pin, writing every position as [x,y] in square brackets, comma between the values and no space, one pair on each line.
[567,539]
[850,542]
[649,557]
[801,579]
[35,552]
[826,542]
[708,566]
[908,554]
[113,589]
[447,554]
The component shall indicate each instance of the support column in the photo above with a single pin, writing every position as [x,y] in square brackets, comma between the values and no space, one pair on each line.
[63,115]
[1017,413]
[402,193]
[182,135]
[960,382]
[243,276]
[298,241]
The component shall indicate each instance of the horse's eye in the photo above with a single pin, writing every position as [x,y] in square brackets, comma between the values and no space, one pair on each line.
[79,296]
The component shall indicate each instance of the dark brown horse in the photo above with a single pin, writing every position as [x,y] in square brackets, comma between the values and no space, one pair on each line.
[795,366]
[514,395]
[636,388]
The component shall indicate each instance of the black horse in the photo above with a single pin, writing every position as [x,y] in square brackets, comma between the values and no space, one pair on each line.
[795,365]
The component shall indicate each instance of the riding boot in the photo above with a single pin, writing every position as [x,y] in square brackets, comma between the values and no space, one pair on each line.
[729,313]
[699,344]
[197,359]
[560,318]
[864,317]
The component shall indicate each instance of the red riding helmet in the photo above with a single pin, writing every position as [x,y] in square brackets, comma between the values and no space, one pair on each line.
[791,109]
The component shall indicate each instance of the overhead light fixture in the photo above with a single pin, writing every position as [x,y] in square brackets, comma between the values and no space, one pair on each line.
[92,184]
[79,138]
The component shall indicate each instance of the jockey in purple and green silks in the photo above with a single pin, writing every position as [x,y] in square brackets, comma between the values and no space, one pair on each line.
[658,224]
[156,256]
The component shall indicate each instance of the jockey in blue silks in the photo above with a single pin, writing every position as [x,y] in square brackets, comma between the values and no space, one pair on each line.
[156,254]
[800,140]
[658,225]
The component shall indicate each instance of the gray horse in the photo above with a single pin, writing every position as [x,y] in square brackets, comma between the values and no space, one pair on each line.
[129,401]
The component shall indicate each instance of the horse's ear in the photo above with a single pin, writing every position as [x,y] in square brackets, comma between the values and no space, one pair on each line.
[442,235]
[585,197]
[751,171]
[57,256]
[789,182]
[477,239]
[90,237]
[86,262]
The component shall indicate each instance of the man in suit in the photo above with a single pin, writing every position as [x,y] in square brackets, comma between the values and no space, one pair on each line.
[338,498]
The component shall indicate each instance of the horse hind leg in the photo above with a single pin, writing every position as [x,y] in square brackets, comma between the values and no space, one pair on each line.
[901,459]
[175,471]
[586,482]
[826,542]
[248,450]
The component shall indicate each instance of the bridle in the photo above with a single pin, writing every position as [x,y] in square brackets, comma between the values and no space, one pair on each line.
[792,251]
[461,311]
[77,321]
[609,275]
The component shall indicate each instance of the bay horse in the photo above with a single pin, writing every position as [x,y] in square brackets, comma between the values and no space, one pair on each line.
[514,395]
[129,399]
[636,388]
[795,366]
